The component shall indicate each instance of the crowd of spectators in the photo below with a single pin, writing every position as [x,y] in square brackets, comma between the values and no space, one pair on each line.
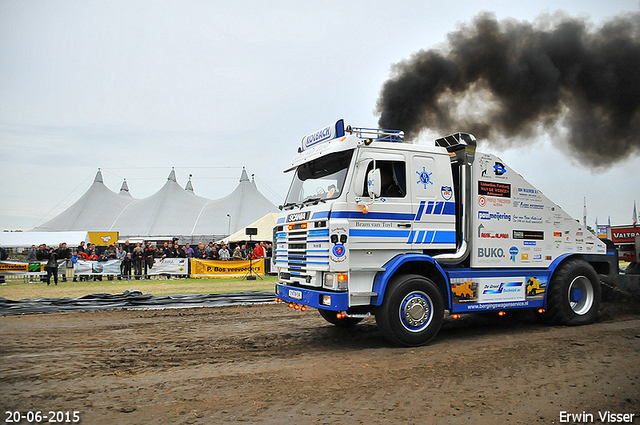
[136,260]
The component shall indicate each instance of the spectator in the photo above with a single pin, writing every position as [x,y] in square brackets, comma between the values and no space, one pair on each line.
[237,254]
[188,251]
[126,265]
[52,266]
[121,254]
[258,251]
[169,252]
[3,257]
[201,251]
[223,253]
[126,247]
[244,251]
[42,255]
[74,260]
[32,254]
[208,250]
[149,258]
[81,247]
[64,253]
[110,253]
[179,252]
[138,257]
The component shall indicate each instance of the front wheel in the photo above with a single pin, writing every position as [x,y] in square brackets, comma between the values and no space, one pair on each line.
[574,294]
[412,311]
[332,317]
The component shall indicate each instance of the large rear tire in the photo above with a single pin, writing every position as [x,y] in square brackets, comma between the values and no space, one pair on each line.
[332,317]
[412,311]
[574,294]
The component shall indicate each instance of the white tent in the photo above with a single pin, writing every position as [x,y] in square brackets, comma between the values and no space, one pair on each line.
[26,239]
[170,212]
[236,211]
[96,210]
[264,225]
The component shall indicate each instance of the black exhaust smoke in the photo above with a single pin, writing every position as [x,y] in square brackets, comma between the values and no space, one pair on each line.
[508,81]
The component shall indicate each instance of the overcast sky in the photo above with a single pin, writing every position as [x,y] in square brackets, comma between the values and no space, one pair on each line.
[137,87]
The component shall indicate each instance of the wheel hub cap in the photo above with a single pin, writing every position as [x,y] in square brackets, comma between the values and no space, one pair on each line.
[416,311]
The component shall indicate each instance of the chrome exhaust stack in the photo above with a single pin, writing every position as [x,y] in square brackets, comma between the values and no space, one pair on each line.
[462,148]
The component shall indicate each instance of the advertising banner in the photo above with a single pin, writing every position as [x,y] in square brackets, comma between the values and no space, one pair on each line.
[109,267]
[169,266]
[624,234]
[16,267]
[103,238]
[212,268]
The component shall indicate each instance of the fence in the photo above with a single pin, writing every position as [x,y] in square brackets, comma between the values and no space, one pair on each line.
[182,267]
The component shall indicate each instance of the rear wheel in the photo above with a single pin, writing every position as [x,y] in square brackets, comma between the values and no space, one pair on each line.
[574,294]
[412,311]
[332,317]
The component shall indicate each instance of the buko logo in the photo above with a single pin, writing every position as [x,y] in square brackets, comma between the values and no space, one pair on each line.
[490,252]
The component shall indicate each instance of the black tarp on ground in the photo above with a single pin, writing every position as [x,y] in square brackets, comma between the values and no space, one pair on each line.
[131,300]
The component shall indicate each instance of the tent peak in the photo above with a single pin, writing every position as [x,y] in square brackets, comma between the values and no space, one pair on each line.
[124,189]
[189,186]
[172,175]
[98,178]
[244,177]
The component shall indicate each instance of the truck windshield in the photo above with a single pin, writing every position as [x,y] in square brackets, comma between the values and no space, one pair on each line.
[319,179]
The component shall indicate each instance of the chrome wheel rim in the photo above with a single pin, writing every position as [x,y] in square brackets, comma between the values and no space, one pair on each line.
[581,295]
[416,311]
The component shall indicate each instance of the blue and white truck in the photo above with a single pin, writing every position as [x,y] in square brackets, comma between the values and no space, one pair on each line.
[407,232]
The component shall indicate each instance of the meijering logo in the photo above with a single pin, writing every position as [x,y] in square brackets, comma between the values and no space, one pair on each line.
[490,253]
[486,215]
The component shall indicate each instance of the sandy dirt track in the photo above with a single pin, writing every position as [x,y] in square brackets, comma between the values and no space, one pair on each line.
[272,365]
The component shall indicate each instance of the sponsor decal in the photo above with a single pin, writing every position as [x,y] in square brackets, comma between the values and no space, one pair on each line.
[498,169]
[513,251]
[490,253]
[446,192]
[502,190]
[527,193]
[529,243]
[524,256]
[528,234]
[520,204]
[424,178]
[486,215]
[482,201]
[486,234]
[527,219]
[557,234]
[503,287]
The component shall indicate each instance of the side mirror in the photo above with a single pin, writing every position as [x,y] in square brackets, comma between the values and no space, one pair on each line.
[374,183]
[360,177]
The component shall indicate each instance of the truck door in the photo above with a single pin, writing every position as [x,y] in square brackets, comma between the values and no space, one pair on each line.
[431,187]
[388,222]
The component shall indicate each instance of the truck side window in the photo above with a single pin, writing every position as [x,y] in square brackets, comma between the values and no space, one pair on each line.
[393,176]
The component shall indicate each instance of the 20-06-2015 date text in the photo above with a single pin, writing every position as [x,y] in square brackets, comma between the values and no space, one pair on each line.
[38,416]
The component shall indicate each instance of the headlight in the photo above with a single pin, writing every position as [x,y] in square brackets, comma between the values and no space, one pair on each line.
[329,281]
[336,281]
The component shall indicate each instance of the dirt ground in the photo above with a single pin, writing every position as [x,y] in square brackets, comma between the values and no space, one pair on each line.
[269,364]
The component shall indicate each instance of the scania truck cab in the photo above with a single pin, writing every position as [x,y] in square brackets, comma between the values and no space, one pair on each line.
[374,225]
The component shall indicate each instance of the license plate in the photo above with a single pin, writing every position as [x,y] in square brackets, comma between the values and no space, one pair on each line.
[293,293]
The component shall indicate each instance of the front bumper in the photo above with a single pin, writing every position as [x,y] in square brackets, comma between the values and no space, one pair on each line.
[313,297]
